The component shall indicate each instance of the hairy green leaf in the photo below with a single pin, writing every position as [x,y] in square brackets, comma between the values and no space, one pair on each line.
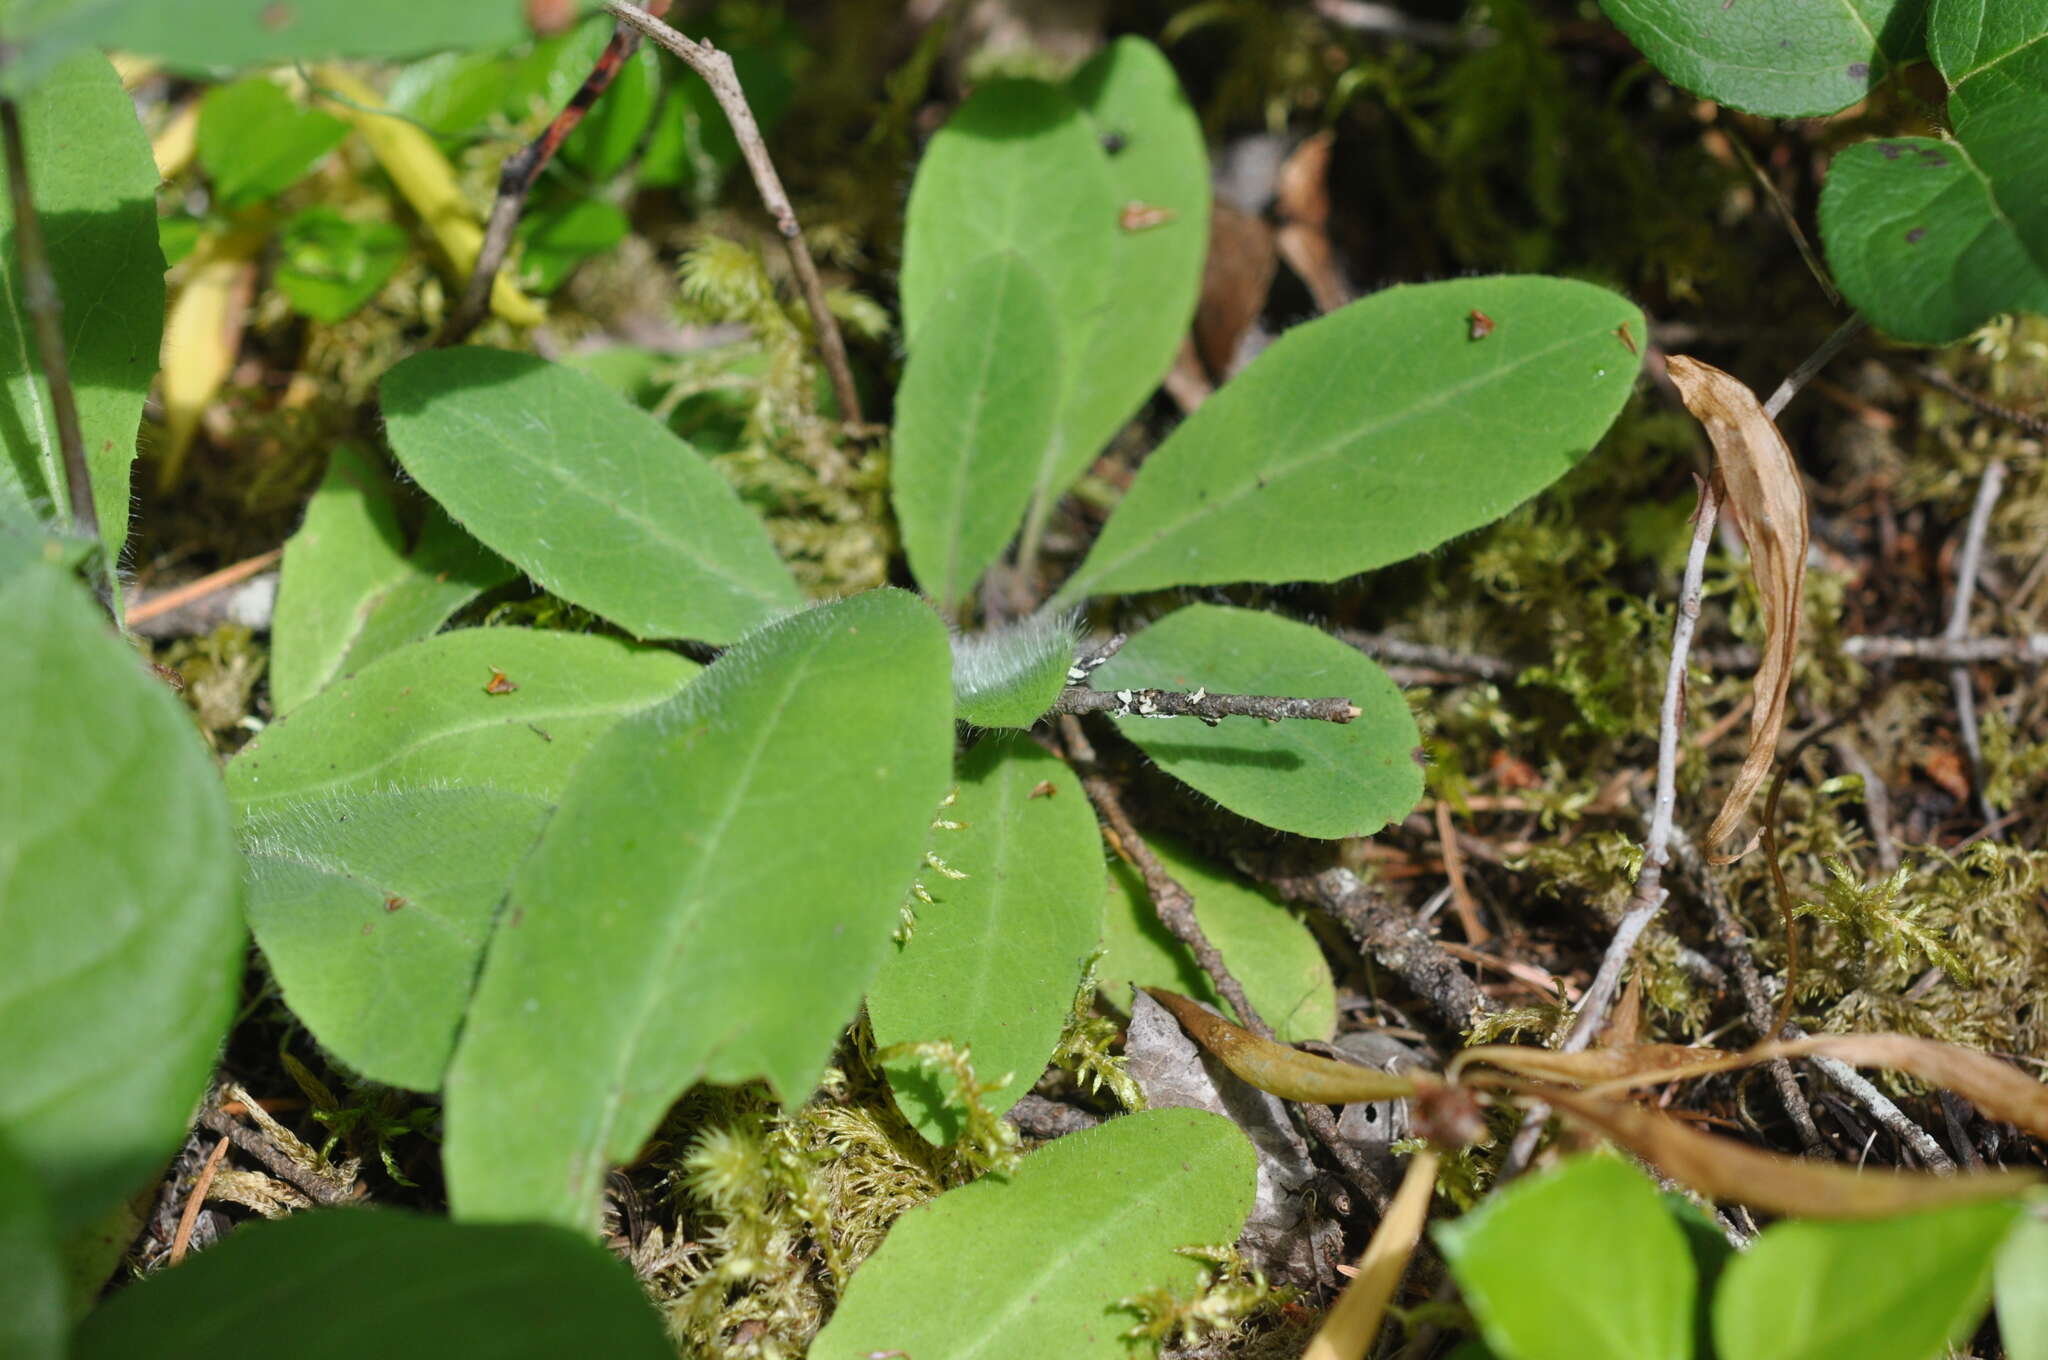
[1311,778]
[714,894]
[1804,1290]
[383,819]
[1779,60]
[1373,434]
[1159,164]
[974,414]
[590,496]
[1582,1261]
[255,142]
[95,190]
[1011,676]
[1036,1263]
[1273,955]
[349,591]
[389,1284]
[2021,1277]
[119,914]
[996,955]
[32,1322]
[1920,238]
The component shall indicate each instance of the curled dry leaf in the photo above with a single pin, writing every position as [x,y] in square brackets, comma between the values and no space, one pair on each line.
[1304,210]
[1235,280]
[1642,1062]
[1280,1070]
[1724,1169]
[1768,501]
[1352,1324]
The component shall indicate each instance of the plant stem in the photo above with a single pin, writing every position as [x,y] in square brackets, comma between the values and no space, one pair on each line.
[717,71]
[46,311]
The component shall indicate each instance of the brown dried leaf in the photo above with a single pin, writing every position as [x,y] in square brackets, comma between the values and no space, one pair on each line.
[1349,1328]
[1998,1089]
[1593,1066]
[1724,1169]
[1235,280]
[1304,211]
[1278,1069]
[1768,501]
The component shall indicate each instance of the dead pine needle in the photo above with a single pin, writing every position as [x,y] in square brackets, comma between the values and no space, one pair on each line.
[197,1199]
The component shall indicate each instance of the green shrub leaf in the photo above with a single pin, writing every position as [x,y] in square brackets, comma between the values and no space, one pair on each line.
[213,35]
[95,188]
[383,819]
[1035,1263]
[122,929]
[714,894]
[2021,1275]
[1804,1290]
[604,141]
[590,497]
[995,958]
[1273,955]
[328,266]
[349,591]
[1782,61]
[390,1284]
[1312,778]
[975,412]
[1921,239]
[1132,97]
[32,1322]
[255,143]
[1011,676]
[1373,434]
[1580,1263]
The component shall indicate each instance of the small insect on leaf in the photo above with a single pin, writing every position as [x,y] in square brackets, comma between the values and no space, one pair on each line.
[1044,788]
[499,684]
[393,902]
[1626,338]
[1481,324]
[1138,216]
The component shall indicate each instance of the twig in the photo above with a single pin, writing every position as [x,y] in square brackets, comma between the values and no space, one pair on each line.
[1436,658]
[277,1160]
[46,311]
[1786,215]
[1454,871]
[1210,708]
[2029,650]
[1959,623]
[178,598]
[523,167]
[1176,908]
[1392,937]
[194,1201]
[1853,1084]
[1940,381]
[1814,363]
[1649,893]
[1362,16]
[717,71]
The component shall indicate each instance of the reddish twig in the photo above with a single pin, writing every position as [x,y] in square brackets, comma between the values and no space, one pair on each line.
[523,167]
[206,585]
[196,1199]
[717,71]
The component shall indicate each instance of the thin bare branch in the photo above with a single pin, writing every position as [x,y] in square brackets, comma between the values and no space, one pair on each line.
[1959,624]
[1210,708]
[1815,362]
[2019,420]
[46,314]
[717,71]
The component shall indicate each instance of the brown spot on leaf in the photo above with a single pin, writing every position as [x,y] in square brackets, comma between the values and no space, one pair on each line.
[276,17]
[393,902]
[1916,236]
[1859,70]
[1626,338]
[1138,216]
[549,17]
[1044,788]
[1891,150]
[1478,324]
[499,684]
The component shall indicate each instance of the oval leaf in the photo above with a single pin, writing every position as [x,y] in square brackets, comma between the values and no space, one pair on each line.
[1374,434]
[1623,1291]
[1036,1263]
[591,497]
[663,932]
[1011,676]
[1159,170]
[1803,1290]
[32,1321]
[1782,61]
[1925,243]
[95,189]
[387,1284]
[122,930]
[995,958]
[379,850]
[2021,1276]
[1311,778]
[975,411]
[211,35]
[1273,955]
[349,591]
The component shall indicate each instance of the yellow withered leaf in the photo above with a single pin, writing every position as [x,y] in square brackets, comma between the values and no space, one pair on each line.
[1768,501]
[202,337]
[1353,1323]
[1282,1071]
